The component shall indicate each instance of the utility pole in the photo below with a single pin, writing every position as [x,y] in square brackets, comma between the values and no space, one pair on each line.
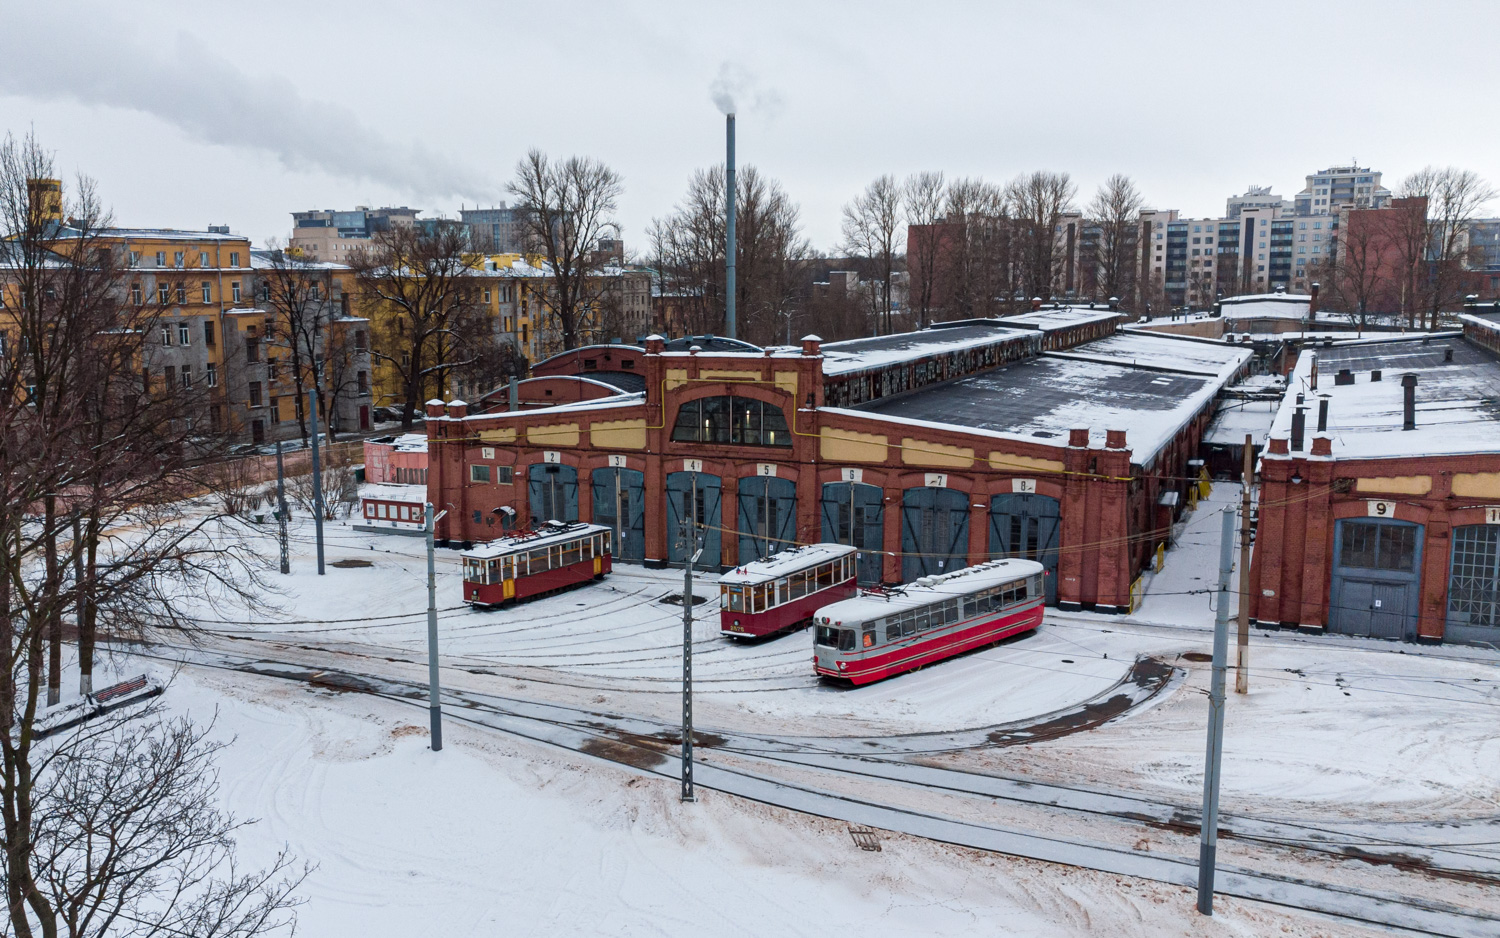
[281,512]
[317,472]
[1242,655]
[1208,841]
[434,703]
[690,552]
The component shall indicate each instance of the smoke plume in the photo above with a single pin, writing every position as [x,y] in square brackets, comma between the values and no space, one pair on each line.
[735,89]
[210,99]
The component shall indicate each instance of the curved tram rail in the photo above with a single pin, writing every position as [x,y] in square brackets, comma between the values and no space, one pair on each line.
[881,633]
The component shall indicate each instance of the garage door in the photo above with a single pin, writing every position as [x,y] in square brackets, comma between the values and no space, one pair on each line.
[934,531]
[1376,582]
[620,504]
[1474,585]
[767,516]
[854,514]
[694,495]
[1027,526]
[552,493]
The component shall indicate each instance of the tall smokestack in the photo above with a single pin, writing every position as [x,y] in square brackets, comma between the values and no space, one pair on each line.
[729,246]
[1408,402]
[1312,305]
[1323,414]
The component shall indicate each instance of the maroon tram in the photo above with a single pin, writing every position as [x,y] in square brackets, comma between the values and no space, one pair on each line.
[882,633]
[783,591]
[528,564]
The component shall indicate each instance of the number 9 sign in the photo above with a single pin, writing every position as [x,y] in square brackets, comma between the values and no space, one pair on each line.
[1380,509]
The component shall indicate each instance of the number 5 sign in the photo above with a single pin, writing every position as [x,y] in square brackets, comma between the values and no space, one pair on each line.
[1379,509]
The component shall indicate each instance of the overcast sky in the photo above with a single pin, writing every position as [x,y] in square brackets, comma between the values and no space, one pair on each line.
[189,114]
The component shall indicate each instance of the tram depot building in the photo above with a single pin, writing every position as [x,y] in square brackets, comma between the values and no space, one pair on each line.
[1054,435]
[1379,509]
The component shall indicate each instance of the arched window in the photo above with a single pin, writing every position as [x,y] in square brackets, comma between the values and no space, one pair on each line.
[743,421]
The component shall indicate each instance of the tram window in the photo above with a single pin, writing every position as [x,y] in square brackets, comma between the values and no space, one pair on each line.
[1021,591]
[798,582]
[825,575]
[909,622]
[892,629]
[825,635]
[869,640]
[781,591]
[538,560]
[951,607]
[759,592]
[846,640]
[921,618]
[734,598]
[508,568]
[570,553]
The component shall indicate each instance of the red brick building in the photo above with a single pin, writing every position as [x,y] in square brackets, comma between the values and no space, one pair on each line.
[1379,513]
[1049,435]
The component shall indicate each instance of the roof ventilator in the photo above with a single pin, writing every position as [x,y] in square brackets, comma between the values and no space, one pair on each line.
[1344,376]
[1299,425]
[1408,402]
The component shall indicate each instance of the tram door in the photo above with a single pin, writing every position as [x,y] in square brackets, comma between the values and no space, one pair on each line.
[620,503]
[1027,526]
[854,514]
[696,496]
[934,531]
[1376,578]
[767,516]
[552,493]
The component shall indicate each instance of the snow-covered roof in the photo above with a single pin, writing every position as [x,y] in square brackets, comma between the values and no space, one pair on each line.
[545,536]
[1052,318]
[265,260]
[852,355]
[1237,418]
[1150,389]
[1157,350]
[785,562]
[1457,402]
[1266,306]
[927,590]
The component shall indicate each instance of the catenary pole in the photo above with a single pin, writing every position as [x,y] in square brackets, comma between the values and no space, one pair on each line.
[730,250]
[689,547]
[434,703]
[317,474]
[1242,648]
[1208,841]
[281,512]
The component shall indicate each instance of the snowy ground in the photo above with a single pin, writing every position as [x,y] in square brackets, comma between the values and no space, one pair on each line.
[498,832]
[498,836]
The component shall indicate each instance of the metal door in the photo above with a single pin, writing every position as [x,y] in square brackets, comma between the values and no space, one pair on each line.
[767,516]
[1028,526]
[1376,578]
[552,493]
[934,531]
[694,495]
[620,503]
[854,514]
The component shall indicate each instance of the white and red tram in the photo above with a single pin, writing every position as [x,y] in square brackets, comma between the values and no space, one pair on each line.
[554,556]
[882,633]
[783,591]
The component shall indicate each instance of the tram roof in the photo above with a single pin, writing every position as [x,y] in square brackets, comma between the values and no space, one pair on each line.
[785,562]
[549,534]
[929,589]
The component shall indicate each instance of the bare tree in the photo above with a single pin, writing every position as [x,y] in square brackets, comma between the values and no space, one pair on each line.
[1454,198]
[1358,275]
[874,233]
[1113,212]
[689,247]
[568,207]
[928,242]
[298,292]
[1038,201]
[87,434]
[419,286]
[981,261]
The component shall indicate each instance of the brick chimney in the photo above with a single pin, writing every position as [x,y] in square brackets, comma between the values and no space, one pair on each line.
[811,344]
[436,408]
[1078,438]
[1114,439]
[457,409]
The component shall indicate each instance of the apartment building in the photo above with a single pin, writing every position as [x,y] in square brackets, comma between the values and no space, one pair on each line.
[335,236]
[1336,187]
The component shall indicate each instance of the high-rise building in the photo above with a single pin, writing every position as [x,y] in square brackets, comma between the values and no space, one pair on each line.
[334,236]
[1255,197]
[497,230]
[1337,187]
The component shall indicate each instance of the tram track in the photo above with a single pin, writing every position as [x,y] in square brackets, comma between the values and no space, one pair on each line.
[756,766]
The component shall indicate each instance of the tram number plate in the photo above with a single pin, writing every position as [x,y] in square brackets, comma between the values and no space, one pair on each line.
[1023,486]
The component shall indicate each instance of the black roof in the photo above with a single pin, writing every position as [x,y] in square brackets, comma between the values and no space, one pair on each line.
[627,381]
[710,343]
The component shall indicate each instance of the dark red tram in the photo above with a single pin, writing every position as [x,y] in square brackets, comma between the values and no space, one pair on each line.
[553,557]
[784,590]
